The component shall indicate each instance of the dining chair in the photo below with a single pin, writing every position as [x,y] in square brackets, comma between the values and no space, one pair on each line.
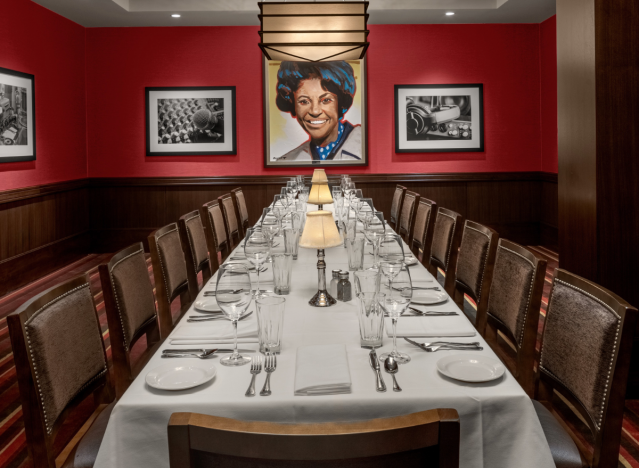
[230,220]
[447,235]
[396,205]
[474,272]
[513,310]
[130,309]
[60,360]
[215,232]
[195,250]
[424,226]
[407,215]
[424,439]
[169,272]
[241,211]
[585,357]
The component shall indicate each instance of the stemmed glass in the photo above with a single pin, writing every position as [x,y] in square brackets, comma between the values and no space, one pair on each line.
[349,189]
[256,249]
[395,306]
[337,192]
[374,231]
[233,294]
[391,253]
[291,189]
[303,195]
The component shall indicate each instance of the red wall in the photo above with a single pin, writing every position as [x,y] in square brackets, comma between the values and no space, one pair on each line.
[35,40]
[122,61]
[548,73]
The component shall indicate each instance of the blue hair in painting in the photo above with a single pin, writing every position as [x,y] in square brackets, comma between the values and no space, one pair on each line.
[337,77]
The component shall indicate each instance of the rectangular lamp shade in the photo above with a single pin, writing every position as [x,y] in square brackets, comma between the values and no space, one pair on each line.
[320,231]
[320,194]
[313,32]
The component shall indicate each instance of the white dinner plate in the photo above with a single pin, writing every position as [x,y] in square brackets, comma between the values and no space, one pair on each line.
[428,297]
[180,377]
[410,261]
[208,304]
[470,368]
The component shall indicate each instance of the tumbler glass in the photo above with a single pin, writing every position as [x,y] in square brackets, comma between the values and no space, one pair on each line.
[270,320]
[291,237]
[355,250]
[371,319]
[367,281]
[282,263]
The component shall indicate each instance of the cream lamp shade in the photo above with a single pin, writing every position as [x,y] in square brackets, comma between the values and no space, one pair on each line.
[320,195]
[320,231]
[319,177]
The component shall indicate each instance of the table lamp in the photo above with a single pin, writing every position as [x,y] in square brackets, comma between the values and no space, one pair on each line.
[320,233]
[320,193]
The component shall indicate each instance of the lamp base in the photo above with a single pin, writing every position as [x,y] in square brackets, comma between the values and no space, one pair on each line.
[322,299]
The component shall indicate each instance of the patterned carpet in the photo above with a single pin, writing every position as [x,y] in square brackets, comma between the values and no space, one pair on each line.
[13,449]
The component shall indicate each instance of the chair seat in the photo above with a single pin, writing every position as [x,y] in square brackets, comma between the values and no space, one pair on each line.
[85,452]
[565,453]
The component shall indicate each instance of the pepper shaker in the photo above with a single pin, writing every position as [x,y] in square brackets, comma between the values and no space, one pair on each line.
[344,292]
[332,288]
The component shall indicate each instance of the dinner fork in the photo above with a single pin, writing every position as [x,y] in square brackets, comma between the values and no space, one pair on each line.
[270,363]
[256,368]
[432,349]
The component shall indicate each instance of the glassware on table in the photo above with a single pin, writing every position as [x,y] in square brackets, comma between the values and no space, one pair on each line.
[367,281]
[358,193]
[349,189]
[391,247]
[355,252]
[282,267]
[398,295]
[270,320]
[256,249]
[374,231]
[233,294]
[279,211]
[291,241]
[371,319]
[336,191]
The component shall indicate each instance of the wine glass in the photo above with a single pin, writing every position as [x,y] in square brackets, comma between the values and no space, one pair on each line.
[374,231]
[391,254]
[233,294]
[349,189]
[291,189]
[337,192]
[395,306]
[256,249]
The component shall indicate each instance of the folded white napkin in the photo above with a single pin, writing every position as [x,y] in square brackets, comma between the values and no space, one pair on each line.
[415,327]
[220,331]
[322,370]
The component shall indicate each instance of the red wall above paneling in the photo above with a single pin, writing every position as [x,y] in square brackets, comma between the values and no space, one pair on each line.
[548,73]
[34,40]
[121,62]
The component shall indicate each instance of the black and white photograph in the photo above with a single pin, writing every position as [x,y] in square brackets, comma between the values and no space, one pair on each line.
[438,118]
[17,142]
[190,121]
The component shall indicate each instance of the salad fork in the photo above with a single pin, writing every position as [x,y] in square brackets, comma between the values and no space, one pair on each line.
[270,363]
[256,368]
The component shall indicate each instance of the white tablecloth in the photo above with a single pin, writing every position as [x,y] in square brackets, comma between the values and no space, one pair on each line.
[499,427]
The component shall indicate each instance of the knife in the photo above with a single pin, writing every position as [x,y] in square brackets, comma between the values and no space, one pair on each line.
[381,386]
[182,351]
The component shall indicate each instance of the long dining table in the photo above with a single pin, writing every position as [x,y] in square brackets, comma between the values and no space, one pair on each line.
[499,427]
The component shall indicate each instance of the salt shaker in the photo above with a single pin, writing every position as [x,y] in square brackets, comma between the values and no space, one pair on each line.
[332,288]
[344,292]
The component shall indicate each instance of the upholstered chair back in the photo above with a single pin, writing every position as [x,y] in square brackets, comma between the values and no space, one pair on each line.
[445,246]
[396,205]
[423,228]
[241,211]
[215,232]
[407,216]
[195,249]
[230,219]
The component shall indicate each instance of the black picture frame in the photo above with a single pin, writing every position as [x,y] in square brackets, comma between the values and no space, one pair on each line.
[17,116]
[215,137]
[421,130]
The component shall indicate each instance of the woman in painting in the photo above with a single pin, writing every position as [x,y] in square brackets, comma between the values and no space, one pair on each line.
[318,95]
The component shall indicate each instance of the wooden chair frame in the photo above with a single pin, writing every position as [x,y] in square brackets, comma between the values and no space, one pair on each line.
[192,269]
[452,251]
[608,436]
[423,245]
[314,442]
[123,368]
[487,276]
[392,222]
[522,367]
[39,439]
[214,246]
[162,296]
[242,225]
[230,235]
[407,234]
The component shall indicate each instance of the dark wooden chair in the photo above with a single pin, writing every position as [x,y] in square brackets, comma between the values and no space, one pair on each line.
[474,272]
[195,250]
[424,439]
[230,220]
[396,206]
[585,357]
[407,216]
[423,228]
[445,247]
[130,309]
[513,310]
[169,273]
[215,232]
[60,360]
[241,211]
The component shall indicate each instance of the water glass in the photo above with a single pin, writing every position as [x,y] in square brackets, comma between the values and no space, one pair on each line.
[270,320]
[291,238]
[371,319]
[367,281]
[282,266]
[355,250]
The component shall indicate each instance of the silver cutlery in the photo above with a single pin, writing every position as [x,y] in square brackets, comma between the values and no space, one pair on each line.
[256,368]
[434,288]
[205,355]
[432,312]
[431,347]
[391,367]
[201,351]
[195,318]
[270,363]
[372,357]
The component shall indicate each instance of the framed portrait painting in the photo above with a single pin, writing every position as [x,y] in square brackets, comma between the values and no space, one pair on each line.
[315,113]
[190,121]
[17,116]
[439,118]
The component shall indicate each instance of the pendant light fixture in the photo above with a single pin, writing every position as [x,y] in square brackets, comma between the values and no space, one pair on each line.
[313,31]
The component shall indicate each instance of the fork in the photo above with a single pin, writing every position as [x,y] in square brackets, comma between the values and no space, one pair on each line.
[432,349]
[256,368]
[270,363]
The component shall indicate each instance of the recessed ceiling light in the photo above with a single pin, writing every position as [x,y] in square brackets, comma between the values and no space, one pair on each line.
[450,13]
[175,15]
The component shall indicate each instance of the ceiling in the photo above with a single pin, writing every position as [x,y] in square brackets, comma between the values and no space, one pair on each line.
[117,13]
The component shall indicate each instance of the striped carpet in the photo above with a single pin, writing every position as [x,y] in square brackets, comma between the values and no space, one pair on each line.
[13,449]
